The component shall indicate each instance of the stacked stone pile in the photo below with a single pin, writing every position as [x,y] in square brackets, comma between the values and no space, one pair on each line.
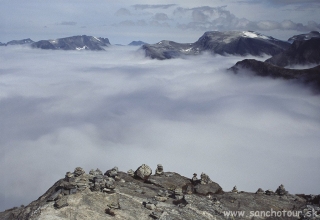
[140,195]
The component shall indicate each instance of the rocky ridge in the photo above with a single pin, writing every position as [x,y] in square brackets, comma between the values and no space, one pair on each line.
[307,36]
[80,42]
[137,43]
[223,43]
[18,42]
[165,195]
[301,52]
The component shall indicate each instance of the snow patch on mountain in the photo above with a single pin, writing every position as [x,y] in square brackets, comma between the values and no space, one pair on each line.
[254,35]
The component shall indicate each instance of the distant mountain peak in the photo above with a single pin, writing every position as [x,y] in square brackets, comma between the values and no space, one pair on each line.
[227,42]
[302,37]
[137,43]
[79,42]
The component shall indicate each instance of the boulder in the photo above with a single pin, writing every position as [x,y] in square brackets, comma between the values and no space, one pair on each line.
[210,188]
[143,172]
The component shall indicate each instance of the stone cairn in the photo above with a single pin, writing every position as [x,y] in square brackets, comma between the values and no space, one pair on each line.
[80,181]
[234,190]
[260,191]
[159,170]
[97,181]
[205,179]
[130,173]
[281,191]
[194,179]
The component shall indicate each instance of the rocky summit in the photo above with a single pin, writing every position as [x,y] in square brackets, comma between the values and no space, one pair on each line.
[81,42]
[223,43]
[165,195]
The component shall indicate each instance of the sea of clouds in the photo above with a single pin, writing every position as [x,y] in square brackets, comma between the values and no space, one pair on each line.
[64,109]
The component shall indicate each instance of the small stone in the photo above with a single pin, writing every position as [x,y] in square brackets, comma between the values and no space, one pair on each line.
[110,211]
[60,203]
[68,176]
[150,206]
[106,190]
[161,198]
[155,214]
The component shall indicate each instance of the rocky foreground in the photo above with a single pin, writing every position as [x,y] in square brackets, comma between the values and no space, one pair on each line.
[164,195]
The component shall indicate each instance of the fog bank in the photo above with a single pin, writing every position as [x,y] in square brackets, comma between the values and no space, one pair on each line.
[63,109]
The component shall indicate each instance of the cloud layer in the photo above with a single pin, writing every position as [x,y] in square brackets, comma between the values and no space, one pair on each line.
[206,18]
[61,109]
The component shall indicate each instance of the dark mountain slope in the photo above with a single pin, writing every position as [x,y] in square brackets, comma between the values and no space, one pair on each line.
[301,52]
[223,43]
[81,42]
[309,76]
[308,36]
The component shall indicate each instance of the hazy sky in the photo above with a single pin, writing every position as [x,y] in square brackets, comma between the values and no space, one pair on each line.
[152,21]
[64,109]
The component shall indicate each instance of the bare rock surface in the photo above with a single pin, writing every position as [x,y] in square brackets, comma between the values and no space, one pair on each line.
[167,196]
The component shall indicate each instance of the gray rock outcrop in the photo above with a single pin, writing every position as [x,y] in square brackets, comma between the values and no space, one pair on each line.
[80,196]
